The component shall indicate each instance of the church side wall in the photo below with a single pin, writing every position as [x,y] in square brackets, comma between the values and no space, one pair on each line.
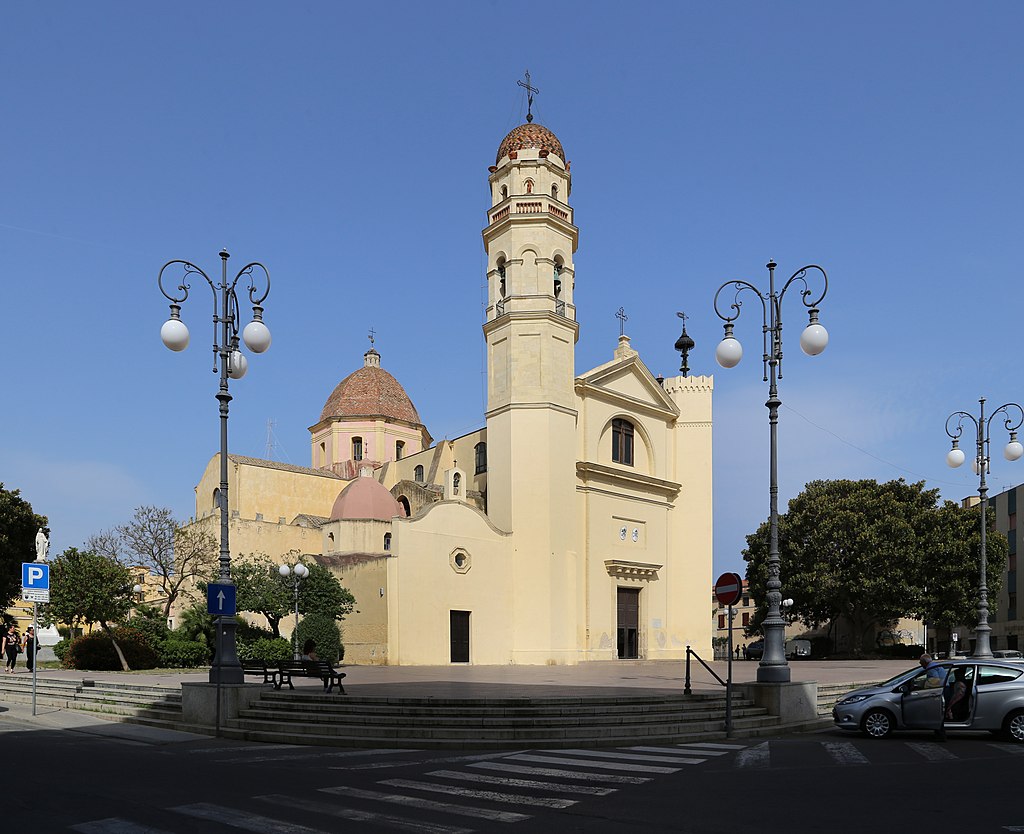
[426,582]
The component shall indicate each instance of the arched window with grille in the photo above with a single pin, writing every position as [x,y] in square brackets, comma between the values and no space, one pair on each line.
[387,541]
[357,448]
[622,441]
[417,474]
[481,457]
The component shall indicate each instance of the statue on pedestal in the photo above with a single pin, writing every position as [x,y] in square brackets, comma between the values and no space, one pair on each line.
[42,545]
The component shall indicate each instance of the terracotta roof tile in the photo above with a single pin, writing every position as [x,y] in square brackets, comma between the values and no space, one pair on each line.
[370,392]
[530,135]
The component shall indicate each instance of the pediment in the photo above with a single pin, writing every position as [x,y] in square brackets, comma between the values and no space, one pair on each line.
[626,382]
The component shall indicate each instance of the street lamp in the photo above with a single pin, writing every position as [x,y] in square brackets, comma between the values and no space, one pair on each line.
[137,591]
[295,575]
[773,667]
[1013,416]
[226,667]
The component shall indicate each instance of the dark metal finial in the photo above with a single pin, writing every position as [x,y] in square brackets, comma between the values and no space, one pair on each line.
[684,344]
[371,335]
[530,90]
[620,314]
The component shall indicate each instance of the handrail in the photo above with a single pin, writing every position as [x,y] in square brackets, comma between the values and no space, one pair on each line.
[686,684]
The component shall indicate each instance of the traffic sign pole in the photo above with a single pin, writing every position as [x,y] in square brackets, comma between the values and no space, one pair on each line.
[728,683]
[35,654]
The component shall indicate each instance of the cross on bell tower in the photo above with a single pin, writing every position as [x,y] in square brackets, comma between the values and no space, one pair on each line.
[530,90]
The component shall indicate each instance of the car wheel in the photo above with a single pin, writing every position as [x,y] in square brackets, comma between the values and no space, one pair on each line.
[878,723]
[1013,725]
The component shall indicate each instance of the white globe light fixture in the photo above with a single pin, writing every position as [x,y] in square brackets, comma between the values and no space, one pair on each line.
[296,575]
[238,365]
[1014,449]
[256,334]
[814,339]
[729,351]
[284,570]
[955,456]
[174,333]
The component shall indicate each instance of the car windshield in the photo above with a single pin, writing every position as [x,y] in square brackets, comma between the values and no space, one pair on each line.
[901,677]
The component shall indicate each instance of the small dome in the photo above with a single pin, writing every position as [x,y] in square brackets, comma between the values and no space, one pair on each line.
[371,392]
[365,498]
[530,135]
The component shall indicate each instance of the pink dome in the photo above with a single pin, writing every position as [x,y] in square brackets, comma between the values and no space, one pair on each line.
[365,498]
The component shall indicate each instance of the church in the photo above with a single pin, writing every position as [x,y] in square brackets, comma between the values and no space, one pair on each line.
[574,525]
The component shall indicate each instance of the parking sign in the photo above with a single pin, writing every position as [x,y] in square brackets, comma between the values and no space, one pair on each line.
[35,582]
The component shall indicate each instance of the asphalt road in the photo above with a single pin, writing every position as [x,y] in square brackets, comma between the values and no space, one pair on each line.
[115,779]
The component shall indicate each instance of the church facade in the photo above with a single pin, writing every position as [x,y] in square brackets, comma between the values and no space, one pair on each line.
[575,525]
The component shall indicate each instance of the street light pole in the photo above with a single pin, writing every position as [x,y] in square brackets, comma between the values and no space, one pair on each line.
[295,575]
[773,667]
[232,364]
[1013,416]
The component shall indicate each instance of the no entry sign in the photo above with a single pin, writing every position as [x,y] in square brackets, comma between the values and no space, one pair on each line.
[729,588]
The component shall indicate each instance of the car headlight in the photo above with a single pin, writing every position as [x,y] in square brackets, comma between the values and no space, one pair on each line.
[853,699]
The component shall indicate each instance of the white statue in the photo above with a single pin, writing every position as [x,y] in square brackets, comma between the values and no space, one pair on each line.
[42,545]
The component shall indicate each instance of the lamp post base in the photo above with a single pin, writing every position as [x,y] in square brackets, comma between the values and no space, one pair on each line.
[226,667]
[773,674]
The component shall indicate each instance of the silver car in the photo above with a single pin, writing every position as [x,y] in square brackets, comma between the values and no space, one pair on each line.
[916,700]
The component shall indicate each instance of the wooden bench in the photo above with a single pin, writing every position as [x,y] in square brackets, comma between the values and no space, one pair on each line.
[288,669]
[258,667]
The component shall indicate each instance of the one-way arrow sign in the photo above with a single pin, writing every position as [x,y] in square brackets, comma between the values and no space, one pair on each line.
[220,600]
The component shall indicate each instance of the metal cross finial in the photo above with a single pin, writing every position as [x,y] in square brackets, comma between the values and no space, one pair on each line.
[530,90]
[620,314]
[372,334]
[684,317]
[684,344]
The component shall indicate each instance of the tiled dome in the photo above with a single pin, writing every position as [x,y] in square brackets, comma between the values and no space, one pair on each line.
[530,135]
[365,498]
[370,392]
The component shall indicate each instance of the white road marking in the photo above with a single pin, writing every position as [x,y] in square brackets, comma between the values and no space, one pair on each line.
[557,760]
[610,778]
[313,754]
[113,825]
[1016,749]
[668,751]
[490,796]
[931,751]
[630,757]
[754,757]
[232,749]
[428,804]
[331,810]
[478,757]
[844,753]
[713,746]
[520,783]
[243,819]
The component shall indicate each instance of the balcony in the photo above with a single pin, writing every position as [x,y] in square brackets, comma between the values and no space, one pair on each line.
[530,204]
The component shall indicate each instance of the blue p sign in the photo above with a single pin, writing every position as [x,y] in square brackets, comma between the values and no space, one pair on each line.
[34,576]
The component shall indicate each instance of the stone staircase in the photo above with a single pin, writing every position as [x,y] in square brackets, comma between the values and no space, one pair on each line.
[155,705]
[311,717]
[829,693]
[494,723]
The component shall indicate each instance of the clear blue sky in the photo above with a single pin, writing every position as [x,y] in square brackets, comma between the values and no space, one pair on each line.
[346,146]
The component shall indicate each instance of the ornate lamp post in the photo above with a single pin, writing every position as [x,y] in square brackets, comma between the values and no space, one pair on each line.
[232,364]
[294,576]
[1013,416]
[773,667]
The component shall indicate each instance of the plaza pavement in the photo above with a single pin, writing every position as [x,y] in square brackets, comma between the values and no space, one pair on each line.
[597,678]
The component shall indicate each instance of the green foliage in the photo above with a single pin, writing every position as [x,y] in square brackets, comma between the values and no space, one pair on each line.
[88,588]
[96,652]
[267,649]
[150,621]
[866,551]
[262,590]
[197,625]
[18,528]
[323,629]
[183,654]
[61,649]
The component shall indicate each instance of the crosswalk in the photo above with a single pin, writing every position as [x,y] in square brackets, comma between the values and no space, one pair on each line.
[461,794]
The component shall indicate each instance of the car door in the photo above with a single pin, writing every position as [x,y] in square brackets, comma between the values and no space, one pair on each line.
[921,704]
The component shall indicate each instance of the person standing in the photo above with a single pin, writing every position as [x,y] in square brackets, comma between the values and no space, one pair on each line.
[31,647]
[11,645]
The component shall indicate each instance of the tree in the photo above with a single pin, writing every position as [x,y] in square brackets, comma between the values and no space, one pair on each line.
[865,551]
[177,555]
[90,588]
[262,590]
[18,528]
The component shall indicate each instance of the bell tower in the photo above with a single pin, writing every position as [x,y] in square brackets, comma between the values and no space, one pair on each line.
[531,333]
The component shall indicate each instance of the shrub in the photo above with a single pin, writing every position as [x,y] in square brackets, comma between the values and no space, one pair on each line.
[96,652]
[150,621]
[61,649]
[195,623]
[183,654]
[322,628]
[265,649]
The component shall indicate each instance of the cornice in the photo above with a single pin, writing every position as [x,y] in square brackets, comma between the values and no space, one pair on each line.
[624,569]
[603,473]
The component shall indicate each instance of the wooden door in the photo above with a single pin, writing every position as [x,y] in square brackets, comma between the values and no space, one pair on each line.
[628,611]
[460,636]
